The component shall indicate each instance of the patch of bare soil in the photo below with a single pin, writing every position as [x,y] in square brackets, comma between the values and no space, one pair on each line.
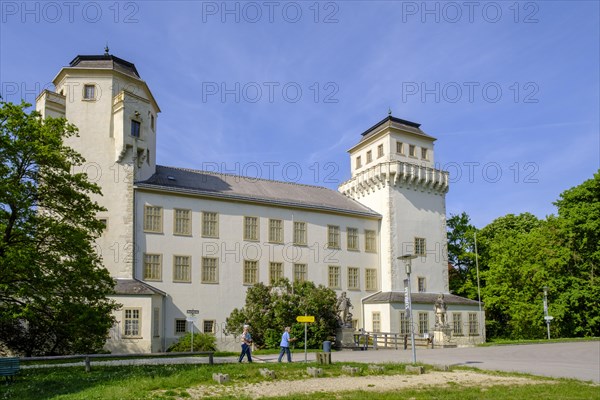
[375,383]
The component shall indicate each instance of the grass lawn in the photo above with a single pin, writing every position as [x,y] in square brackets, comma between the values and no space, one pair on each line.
[171,382]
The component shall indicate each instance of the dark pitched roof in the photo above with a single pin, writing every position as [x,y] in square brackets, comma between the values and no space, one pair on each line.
[106,61]
[421,298]
[135,287]
[403,124]
[256,190]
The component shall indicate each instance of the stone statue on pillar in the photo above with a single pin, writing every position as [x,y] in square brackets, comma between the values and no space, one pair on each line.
[343,306]
[440,309]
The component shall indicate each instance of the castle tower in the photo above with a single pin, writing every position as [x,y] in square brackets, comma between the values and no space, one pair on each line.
[116,115]
[393,173]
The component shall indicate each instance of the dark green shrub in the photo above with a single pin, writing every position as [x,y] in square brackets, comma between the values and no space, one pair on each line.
[202,342]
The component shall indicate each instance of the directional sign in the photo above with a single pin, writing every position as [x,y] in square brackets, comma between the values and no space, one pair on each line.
[193,312]
[305,318]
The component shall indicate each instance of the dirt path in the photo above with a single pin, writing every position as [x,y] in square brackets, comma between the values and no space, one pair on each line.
[367,383]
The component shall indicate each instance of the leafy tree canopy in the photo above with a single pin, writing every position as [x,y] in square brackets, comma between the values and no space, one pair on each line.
[269,309]
[53,287]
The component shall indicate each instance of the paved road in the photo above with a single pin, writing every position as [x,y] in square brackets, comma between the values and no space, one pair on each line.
[578,360]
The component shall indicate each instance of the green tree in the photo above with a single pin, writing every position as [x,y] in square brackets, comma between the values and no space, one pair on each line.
[53,287]
[461,255]
[269,309]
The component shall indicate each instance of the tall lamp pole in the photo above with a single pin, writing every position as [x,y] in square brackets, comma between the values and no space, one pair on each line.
[407,258]
[547,317]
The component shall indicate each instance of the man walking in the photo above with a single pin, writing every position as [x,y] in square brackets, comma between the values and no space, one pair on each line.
[285,345]
[246,342]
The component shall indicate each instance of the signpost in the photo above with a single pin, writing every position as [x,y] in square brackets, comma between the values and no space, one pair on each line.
[307,319]
[192,319]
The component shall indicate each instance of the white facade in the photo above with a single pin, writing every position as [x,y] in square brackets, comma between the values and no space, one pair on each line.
[174,244]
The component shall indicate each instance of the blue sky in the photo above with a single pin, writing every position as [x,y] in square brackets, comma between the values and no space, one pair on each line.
[282,90]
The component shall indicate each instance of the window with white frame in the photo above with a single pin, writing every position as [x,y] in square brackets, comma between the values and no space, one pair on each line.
[380,151]
[251,228]
[404,323]
[370,241]
[371,279]
[208,325]
[352,238]
[457,323]
[353,278]
[421,284]
[275,231]
[152,267]
[210,270]
[300,236]
[250,272]
[423,323]
[358,162]
[183,222]
[333,236]
[300,272]
[180,326]
[210,224]
[473,324]
[376,319]
[131,322]
[424,154]
[369,156]
[412,150]
[182,269]
[334,276]
[275,272]
[399,147]
[89,92]
[153,219]
[420,246]
[136,128]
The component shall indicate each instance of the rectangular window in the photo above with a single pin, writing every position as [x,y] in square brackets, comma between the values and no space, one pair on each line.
[412,151]
[404,323]
[210,270]
[333,237]
[251,228]
[153,219]
[131,322]
[369,156]
[152,121]
[371,279]
[380,151]
[399,147]
[183,222]
[424,154]
[210,224]
[421,285]
[353,278]
[423,323]
[334,277]
[358,162]
[152,267]
[156,322]
[300,237]
[300,272]
[370,241]
[457,323]
[182,270]
[89,92]
[135,128]
[352,238]
[376,321]
[420,249]
[473,324]
[208,326]
[180,326]
[275,231]
[275,272]
[250,272]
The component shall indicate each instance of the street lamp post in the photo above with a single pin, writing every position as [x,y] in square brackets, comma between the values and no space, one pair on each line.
[547,317]
[407,258]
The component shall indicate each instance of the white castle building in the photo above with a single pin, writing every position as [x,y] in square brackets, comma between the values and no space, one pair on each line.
[178,239]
